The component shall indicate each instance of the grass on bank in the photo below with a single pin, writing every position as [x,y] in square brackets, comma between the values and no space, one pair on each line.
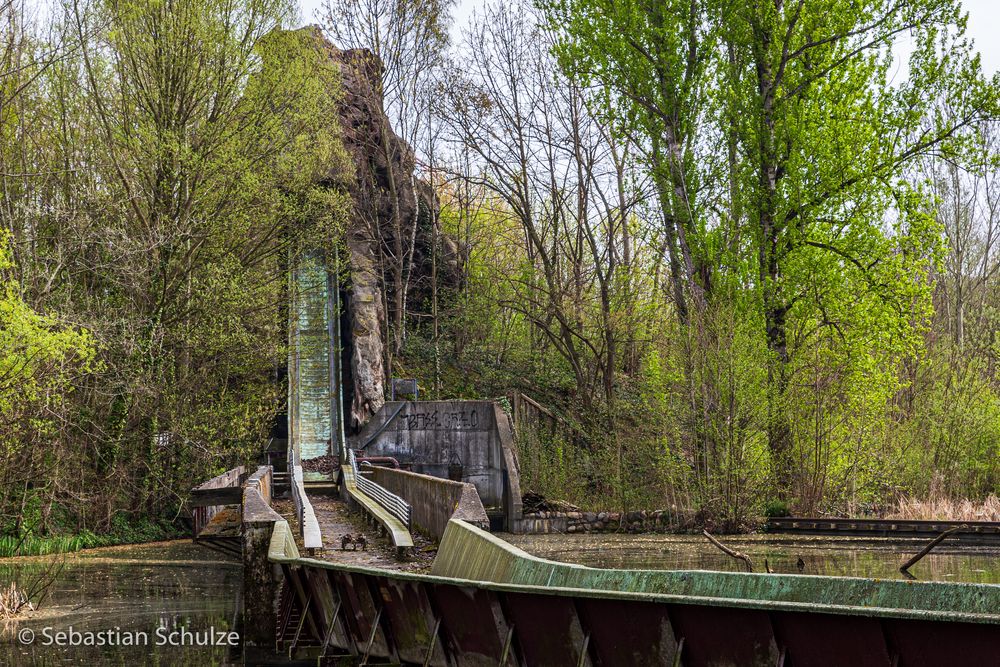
[947,509]
[122,532]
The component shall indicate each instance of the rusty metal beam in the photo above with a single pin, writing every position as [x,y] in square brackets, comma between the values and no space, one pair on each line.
[583,651]
[302,622]
[285,616]
[371,637]
[506,645]
[329,632]
[430,647]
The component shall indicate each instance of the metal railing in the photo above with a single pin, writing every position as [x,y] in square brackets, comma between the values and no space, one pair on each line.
[392,503]
[298,498]
[308,525]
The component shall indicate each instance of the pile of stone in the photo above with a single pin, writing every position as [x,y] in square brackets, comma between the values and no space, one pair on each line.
[328,465]
[533,503]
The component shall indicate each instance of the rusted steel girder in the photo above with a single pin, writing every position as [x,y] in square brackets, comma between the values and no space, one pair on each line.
[427,621]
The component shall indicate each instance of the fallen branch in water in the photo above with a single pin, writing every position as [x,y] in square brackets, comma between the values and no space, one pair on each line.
[904,568]
[730,552]
[12,601]
[19,597]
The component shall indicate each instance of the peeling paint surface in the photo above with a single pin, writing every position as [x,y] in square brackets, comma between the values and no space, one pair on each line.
[487,602]
[309,358]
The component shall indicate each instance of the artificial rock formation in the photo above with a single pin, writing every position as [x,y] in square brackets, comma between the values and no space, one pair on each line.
[383,203]
[393,217]
[381,188]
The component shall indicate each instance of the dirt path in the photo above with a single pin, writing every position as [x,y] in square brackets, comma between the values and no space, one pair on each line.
[335,521]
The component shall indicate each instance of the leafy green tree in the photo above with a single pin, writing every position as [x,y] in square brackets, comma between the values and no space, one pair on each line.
[40,358]
[648,61]
[156,175]
[825,136]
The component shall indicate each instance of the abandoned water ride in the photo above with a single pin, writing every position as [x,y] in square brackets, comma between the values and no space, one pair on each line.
[486,602]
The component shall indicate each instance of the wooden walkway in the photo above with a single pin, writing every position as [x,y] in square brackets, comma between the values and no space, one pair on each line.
[336,520]
[976,532]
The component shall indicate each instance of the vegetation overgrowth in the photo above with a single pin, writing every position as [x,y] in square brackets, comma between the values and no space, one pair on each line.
[747,253]
[122,532]
[944,508]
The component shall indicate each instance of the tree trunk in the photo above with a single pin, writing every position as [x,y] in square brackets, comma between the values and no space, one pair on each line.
[779,430]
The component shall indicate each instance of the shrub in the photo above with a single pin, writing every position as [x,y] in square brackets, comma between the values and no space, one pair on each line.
[775,508]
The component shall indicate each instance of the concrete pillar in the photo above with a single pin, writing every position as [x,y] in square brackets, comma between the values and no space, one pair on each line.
[261,578]
[261,586]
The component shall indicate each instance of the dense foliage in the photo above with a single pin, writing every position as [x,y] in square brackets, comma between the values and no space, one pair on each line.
[741,256]
[160,161]
[732,244]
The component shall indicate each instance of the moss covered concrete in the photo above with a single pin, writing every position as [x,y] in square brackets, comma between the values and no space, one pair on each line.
[472,554]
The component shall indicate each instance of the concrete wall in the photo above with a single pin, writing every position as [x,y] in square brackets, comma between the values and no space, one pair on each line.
[262,481]
[434,501]
[438,437]
[211,497]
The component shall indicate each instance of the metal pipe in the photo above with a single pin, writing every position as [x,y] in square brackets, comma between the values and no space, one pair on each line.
[373,460]
[381,428]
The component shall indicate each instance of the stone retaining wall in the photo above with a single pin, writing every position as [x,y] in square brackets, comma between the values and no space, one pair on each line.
[658,521]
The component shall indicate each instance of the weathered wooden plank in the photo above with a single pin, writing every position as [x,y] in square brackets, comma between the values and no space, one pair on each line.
[229,495]
[232,477]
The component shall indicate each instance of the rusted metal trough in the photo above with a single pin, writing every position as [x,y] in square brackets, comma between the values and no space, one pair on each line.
[488,603]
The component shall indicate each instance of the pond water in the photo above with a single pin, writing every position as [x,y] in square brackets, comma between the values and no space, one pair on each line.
[162,597]
[842,556]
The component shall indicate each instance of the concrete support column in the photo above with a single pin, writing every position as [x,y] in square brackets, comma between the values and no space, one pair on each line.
[261,586]
[261,578]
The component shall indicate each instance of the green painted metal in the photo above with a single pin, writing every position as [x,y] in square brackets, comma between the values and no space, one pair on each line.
[470,553]
[310,396]
[969,603]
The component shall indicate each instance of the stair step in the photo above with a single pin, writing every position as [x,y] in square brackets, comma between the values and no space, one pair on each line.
[321,488]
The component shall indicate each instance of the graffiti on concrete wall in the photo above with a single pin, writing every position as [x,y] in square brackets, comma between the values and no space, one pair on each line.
[431,419]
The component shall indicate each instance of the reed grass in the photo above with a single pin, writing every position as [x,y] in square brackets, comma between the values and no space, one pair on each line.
[947,509]
[33,545]
[13,601]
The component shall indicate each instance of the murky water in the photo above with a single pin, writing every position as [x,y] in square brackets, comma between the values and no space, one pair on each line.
[162,598]
[844,556]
